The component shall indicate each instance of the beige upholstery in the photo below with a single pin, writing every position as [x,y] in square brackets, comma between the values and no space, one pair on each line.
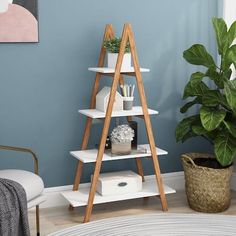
[32,183]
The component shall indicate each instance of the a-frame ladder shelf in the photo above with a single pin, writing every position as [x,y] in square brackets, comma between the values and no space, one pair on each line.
[89,156]
[80,197]
[87,196]
[96,114]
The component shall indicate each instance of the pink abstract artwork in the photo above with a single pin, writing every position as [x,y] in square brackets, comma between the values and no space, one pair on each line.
[17,22]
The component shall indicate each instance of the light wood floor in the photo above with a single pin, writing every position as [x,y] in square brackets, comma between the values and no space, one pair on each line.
[53,219]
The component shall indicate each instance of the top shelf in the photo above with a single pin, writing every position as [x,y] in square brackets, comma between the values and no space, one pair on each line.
[106,70]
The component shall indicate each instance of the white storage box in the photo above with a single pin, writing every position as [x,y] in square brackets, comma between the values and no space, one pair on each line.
[117,183]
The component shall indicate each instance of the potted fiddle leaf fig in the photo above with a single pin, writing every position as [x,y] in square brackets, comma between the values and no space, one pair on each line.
[113,48]
[208,176]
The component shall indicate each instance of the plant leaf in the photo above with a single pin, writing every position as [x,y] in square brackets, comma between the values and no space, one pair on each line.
[199,129]
[231,53]
[198,55]
[211,135]
[184,108]
[195,86]
[230,92]
[216,77]
[184,127]
[197,77]
[213,98]
[231,35]
[225,148]
[195,89]
[221,33]
[231,127]
[188,135]
[227,74]
[233,83]
[229,58]
[211,118]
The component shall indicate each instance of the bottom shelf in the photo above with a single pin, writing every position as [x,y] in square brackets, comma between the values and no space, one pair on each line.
[80,197]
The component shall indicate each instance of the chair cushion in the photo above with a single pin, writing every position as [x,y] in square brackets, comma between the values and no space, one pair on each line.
[31,182]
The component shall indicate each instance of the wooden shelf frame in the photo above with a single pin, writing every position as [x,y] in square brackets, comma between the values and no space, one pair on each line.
[127,36]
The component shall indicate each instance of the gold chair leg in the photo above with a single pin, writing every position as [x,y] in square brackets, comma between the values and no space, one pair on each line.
[37,220]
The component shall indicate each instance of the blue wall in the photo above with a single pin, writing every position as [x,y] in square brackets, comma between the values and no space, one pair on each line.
[43,85]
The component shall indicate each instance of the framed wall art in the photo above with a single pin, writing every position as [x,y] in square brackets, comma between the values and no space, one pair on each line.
[18,21]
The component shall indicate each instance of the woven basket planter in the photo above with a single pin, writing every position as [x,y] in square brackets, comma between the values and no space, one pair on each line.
[207,189]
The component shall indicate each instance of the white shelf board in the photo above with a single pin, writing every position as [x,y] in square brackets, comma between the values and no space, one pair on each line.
[106,70]
[80,197]
[136,111]
[88,156]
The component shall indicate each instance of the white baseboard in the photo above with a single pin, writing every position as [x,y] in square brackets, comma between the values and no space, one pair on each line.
[175,180]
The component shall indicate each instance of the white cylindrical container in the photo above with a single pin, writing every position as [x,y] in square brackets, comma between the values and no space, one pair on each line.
[4,5]
[128,103]
[112,59]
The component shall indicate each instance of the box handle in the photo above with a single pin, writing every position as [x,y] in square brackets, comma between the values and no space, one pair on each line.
[122,184]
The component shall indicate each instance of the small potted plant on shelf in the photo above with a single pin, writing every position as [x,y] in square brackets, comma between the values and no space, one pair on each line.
[208,176]
[113,48]
[121,138]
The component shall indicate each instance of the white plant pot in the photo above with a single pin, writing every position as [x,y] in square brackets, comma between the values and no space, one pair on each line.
[112,59]
[4,5]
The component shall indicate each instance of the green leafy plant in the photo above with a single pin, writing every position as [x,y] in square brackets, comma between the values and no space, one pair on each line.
[113,45]
[216,119]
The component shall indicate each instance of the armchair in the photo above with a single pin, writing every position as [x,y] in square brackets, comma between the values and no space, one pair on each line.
[31,182]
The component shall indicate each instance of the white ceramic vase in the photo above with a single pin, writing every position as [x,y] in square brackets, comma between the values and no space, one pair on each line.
[112,59]
[121,148]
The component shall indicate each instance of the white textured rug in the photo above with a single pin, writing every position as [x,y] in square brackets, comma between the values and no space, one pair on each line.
[164,224]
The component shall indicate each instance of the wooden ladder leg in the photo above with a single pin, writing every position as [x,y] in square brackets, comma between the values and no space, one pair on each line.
[106,127]
[137,160]
[77,179]
[87,132]
[94,182]
[147,120]
[152,145]
[101,151]
[79,168]
[100,154]
[139,168]
[78,175]
[153,150]
[109,33]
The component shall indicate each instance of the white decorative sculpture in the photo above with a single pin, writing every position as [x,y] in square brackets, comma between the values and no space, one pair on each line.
[102,100]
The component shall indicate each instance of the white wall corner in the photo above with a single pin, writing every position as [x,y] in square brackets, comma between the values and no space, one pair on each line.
[229,11]
[229,15]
